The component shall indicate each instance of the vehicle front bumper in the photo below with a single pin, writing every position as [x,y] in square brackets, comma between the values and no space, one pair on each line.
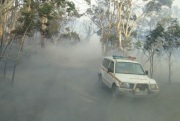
[132,92]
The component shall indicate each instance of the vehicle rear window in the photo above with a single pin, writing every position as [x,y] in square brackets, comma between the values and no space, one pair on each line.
[112,66]
[106,63]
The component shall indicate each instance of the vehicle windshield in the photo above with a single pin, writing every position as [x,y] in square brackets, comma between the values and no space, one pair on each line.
[129,68]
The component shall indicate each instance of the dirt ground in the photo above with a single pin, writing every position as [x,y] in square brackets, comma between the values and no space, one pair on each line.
[60,84]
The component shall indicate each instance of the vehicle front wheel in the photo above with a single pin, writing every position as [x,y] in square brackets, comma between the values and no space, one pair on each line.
[100,81]
[114,91]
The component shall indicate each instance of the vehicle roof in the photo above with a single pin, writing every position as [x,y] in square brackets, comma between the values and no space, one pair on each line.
[120,59]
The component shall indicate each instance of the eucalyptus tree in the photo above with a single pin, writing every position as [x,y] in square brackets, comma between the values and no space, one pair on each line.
[6,17]
[88,28]
[122,18]
[153,45]
[128,18]
[9,11]
[124,15]
[99,19]
[103,16]
[43,16]
[165,37]
[171,43]
[40,16]
[157,13]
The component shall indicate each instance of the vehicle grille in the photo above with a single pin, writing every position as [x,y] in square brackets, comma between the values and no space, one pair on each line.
[131,86]
[142,87]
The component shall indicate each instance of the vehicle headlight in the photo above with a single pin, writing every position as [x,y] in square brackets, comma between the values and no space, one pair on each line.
[124,85]
[154,86]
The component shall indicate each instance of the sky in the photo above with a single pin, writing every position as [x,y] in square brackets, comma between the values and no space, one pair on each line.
[82,6]
[176,2]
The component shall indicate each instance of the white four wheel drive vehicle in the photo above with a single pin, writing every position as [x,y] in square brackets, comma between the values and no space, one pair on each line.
[124,76]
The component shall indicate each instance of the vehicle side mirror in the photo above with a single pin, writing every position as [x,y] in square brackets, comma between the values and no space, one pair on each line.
[146,72]
[110,70]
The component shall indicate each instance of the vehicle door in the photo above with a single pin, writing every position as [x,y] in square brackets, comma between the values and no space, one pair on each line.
[105,65]
[110,74]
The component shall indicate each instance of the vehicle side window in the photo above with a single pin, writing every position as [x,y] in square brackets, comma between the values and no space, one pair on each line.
[105,63]
[112,66]
[138,68]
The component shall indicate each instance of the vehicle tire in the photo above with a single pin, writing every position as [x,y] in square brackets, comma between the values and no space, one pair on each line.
[114,91]
[100,81]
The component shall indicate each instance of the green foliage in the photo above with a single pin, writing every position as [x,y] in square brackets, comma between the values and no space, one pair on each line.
[71,35]
[113,37]
[88,2]
[60,3]
[127,43]
[153,6]
[172,36]
[33,12]
[138,45]
[53,27]
[74,35]
[45,9]
[169,34]
[152,38]
[166,2]
[157,32]
[134,34]
[26,23]
[71,6]
[156,5]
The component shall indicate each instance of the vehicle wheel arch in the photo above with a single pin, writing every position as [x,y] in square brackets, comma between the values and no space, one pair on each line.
[99,74]
[113,84]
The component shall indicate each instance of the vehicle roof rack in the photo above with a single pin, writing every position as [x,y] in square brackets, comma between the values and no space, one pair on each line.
[124,57]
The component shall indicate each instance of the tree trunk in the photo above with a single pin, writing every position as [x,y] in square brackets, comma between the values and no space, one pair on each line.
[19,53]
[151,58]
[44,21]
[169,66]
[152,64]
[1,46]
[4,19]
[7,4]
[103,49]
[42,41]
[119,31]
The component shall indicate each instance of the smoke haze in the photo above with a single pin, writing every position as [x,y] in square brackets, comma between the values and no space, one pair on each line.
[60,84]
